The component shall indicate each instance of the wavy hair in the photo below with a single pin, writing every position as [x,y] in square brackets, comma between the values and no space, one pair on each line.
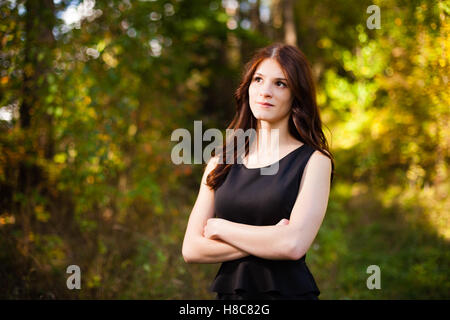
[304,123]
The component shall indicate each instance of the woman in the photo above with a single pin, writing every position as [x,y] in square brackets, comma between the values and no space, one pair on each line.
[260,226]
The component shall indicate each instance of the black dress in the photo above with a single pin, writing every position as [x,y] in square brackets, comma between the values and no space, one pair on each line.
[246,196]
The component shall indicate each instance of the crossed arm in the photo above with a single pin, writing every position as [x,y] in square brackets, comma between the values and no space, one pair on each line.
[213,240]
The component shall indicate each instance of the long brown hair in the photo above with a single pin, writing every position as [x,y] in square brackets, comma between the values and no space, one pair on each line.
[304,123]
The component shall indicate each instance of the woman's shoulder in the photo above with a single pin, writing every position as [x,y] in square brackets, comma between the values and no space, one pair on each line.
[319,161]
[213,161]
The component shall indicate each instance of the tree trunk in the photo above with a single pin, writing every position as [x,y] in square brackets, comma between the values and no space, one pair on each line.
[38,48]
[254,16]
[290,32]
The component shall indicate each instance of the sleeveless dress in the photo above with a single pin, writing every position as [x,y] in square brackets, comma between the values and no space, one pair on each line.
[246,196]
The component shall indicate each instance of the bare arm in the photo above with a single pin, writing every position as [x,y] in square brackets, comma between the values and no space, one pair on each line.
[281,242]
[197,248]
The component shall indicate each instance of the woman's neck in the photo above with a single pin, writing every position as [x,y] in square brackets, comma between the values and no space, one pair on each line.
[270,136]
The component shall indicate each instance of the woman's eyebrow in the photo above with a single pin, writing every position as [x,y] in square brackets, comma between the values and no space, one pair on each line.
[275,78]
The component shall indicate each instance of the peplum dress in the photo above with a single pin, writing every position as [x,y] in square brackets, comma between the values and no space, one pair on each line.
[246,196]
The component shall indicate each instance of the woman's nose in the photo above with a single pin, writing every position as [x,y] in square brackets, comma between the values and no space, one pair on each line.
[266,91]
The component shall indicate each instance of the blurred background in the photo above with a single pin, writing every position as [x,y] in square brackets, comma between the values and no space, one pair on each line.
[90,92]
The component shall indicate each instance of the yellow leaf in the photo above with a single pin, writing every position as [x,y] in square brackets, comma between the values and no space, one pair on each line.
[60,158]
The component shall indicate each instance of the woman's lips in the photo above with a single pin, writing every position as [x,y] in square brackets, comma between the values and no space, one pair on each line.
[265,104]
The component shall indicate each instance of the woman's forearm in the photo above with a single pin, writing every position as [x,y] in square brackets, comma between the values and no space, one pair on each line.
[267,242]
[203,250]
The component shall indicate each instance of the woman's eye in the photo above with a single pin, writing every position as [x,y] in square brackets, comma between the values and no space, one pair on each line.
[278,83]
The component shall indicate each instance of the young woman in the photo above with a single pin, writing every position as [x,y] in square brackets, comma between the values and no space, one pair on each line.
[260,226]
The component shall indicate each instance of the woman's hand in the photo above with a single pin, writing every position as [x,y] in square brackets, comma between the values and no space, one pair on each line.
[212,228]
[283,222]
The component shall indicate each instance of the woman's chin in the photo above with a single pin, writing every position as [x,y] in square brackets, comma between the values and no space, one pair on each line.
[262,115]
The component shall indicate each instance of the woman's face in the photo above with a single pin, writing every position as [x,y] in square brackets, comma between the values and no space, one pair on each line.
[269,85]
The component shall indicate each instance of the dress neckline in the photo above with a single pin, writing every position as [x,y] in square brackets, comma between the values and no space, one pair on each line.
[284,157]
